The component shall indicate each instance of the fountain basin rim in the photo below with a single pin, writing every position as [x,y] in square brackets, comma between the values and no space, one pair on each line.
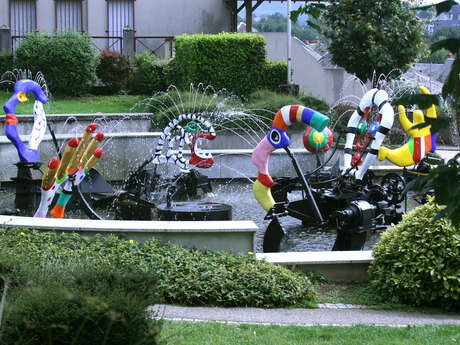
[344,266]
[320,257]
[83,116]
[236,236]
[127,225]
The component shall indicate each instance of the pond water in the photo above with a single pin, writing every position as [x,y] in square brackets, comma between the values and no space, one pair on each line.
[239,195]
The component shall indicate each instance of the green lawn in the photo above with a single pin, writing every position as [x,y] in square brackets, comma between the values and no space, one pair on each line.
[79,105]
[203,333]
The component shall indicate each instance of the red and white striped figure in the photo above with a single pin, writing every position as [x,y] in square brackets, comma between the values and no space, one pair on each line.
[357,124]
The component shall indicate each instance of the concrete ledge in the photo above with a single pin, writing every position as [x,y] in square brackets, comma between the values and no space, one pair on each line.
[338,266]
[235,236]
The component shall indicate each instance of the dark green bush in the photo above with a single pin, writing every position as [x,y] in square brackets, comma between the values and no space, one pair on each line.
[314,103]
[269,100]
[266,103]
[233,61]
[53,314]
[185,276]
[113,70]
[417,261]
[6,64]
[149,75]
[55,301]
[67,60]
[274,74]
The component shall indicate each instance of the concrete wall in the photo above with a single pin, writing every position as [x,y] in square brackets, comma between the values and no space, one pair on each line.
[4,15]
[234,236]
[175,17]
[326,83]
[152,18]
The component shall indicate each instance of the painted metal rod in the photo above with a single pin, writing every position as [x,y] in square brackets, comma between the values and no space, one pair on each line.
[306,186]
[289,47]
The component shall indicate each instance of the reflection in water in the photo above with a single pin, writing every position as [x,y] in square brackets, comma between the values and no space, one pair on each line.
[245,207]
[298,237]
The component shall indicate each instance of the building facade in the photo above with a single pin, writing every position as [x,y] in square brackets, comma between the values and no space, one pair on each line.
[153,21]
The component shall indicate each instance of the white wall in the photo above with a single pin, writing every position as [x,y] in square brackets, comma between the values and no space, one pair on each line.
[326,83]
[4,15]
[175,17]
[152,17]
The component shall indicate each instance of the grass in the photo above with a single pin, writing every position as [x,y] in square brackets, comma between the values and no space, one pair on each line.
[189,333]
[361,294]
[80,105]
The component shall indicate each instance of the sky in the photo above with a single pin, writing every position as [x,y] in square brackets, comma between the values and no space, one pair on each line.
[276,6]
[271,7]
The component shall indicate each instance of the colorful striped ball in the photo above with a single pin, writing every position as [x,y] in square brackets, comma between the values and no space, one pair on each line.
[315,141]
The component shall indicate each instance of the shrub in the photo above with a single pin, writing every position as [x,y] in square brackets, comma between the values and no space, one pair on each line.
[233,61]
[417,261]
[149,75]
[67,61]
[113,71]
[270,100]
[314,103]
[274,74]
[266,103]
[185,276]
[53,314]
[6,64]
[76,302]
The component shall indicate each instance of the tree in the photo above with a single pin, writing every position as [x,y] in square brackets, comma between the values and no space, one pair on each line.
[370,36]
[445,32]
[444,180]
[278,23]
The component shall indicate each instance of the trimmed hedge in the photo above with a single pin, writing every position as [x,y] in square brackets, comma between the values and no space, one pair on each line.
[185,276]
[67,60]
[232,61]
[274,74]
[418,261]
[148,76]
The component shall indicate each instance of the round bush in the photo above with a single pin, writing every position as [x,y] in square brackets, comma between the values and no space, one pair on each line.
[67,60]
[52,314]
[113,71]
[418,261]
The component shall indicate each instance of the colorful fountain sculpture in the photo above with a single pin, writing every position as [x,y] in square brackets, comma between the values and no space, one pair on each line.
[78,159]
[345,198]
[421,141]
[275,139]
[26,154]
[29,158]
[186,129]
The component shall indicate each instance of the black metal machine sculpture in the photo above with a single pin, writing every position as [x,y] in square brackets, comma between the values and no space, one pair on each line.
[348,199]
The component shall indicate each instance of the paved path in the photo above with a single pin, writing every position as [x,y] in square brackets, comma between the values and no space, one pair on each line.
[327,315]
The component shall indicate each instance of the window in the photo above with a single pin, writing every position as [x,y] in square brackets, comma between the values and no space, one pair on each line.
[120,13]
[69,15]
[23,18]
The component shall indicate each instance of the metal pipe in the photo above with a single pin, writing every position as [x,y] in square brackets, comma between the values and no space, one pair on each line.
[311,199]
[289,29]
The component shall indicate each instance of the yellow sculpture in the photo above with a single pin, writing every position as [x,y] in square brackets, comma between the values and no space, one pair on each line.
[421,140]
